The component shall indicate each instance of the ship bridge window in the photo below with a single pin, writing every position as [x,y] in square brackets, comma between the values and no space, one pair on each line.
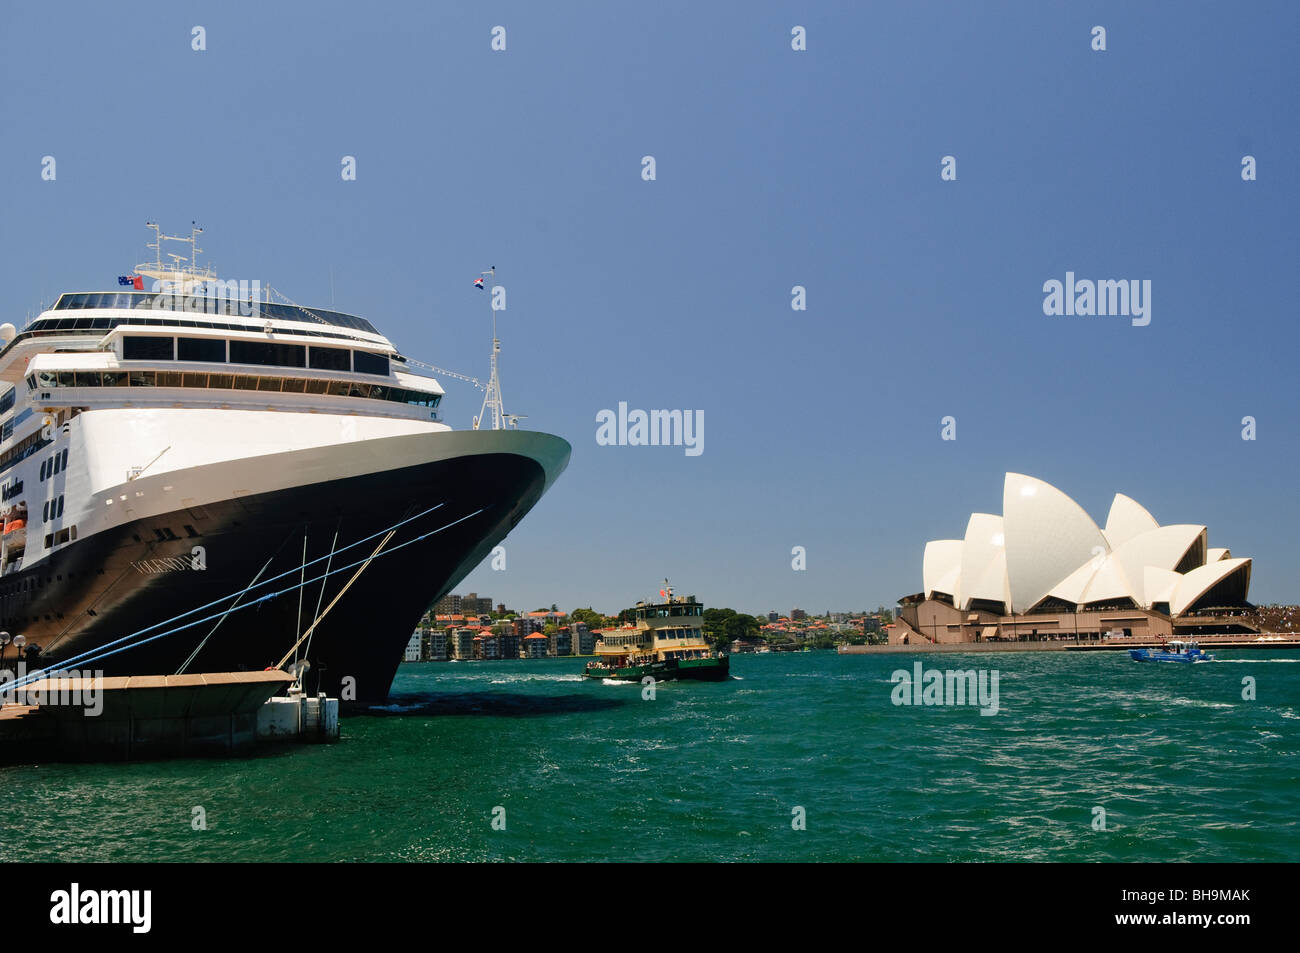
[147,349]
[209,350]
[256,382]
[268,352]
[331,359]
[366,363]
[419,398]
[7,400]
[209,304]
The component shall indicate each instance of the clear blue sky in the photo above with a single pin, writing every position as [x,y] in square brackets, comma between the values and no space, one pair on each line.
[775,168]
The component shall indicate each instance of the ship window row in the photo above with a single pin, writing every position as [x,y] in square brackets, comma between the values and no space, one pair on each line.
[61,537]
[32,443]
[54,464]
[7,401]
[285,385]
[667,612]
[148,300]
[52,510]
[265,353]
[46,326]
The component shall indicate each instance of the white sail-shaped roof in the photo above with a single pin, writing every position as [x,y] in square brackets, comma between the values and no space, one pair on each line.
[1110,582]
[1048,537]
[1159,585]
[1163,548]
[1201,580]
[1100,579]
[1044,545]
[941,566]
[983,561]
[1127,518]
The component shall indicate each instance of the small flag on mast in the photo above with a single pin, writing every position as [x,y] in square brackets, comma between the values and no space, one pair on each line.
[478,283]
[132,281]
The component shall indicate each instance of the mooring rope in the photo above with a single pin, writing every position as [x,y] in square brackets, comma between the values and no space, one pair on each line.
[320,597]
[97,654]
[360,569]
[199,648]
[287,572]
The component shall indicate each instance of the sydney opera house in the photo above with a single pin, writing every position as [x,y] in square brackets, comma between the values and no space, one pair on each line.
[1044,570]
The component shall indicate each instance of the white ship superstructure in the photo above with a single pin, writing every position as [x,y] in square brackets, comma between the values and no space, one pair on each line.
[156,449]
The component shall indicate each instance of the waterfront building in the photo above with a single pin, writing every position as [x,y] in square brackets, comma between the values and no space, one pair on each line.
[1043,570]
[536,646]
[448,605]
[582,640]
[487,647]
[473,604]
[526,625]
[435,646]
[412,653]
[462,643]
[510,644]
[560,642]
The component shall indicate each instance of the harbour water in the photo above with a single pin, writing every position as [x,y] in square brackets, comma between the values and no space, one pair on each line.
[1182,766]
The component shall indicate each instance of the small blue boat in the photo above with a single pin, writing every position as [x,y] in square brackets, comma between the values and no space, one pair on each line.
[1174,651]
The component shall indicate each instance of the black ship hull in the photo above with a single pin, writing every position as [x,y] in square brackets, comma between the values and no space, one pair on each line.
[124,580]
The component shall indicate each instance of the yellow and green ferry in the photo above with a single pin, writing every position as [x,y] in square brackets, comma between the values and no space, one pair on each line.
[665,643]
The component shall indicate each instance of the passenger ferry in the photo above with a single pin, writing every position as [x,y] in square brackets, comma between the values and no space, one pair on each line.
[666,642]
[161,449]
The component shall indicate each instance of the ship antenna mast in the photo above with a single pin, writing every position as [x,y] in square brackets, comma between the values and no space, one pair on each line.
[492,399]
[184,276]
[156,244]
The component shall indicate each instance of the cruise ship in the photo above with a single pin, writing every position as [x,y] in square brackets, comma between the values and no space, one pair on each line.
[173,455]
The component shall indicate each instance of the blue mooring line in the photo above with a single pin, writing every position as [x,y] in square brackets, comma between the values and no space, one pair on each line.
[97,654]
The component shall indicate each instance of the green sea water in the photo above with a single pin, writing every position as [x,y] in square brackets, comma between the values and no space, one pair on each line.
[1182,766]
